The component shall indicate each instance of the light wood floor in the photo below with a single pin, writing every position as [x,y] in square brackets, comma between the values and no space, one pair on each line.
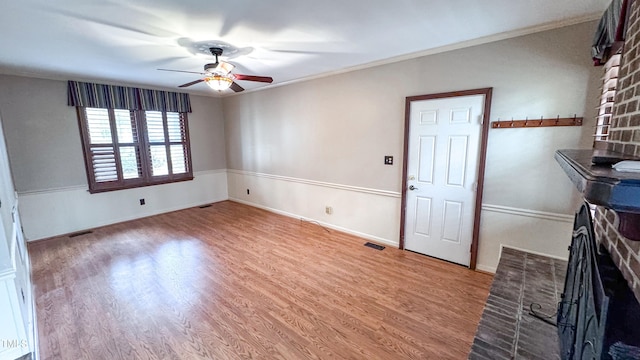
[235,282]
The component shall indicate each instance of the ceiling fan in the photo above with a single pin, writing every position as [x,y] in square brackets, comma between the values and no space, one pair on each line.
[218,75]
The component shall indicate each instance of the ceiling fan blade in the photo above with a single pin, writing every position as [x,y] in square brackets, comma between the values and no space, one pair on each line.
[265,79]
[235,87]
[191,83]
[304,52]
[142,12]
[182,71]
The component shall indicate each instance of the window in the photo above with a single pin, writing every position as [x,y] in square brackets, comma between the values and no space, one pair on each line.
[132,148]
[607,98]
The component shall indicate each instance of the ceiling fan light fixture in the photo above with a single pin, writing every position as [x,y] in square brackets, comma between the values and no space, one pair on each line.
[219,82]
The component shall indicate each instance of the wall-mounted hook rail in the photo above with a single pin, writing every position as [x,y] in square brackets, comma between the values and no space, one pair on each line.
[558,121]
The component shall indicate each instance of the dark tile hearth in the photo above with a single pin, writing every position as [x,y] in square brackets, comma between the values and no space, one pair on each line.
[506,329]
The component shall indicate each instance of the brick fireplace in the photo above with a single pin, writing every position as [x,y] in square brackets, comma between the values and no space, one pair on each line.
[598,315]
[624,137]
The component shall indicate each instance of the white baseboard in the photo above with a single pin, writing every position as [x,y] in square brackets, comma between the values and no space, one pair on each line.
[492,269]
[321,223]
[53,212]
[487,269]
[368,213]
[535,232]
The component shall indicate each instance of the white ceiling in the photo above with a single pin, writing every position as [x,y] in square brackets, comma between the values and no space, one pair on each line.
[126,41]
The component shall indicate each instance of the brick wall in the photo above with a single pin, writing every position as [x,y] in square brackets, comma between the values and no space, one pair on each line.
[624,136]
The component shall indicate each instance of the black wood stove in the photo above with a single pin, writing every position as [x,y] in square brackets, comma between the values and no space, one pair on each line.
[599,316]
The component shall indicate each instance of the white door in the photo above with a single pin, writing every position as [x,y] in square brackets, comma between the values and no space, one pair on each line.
[442,170]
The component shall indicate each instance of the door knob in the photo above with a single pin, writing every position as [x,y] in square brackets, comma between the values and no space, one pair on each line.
[411,187]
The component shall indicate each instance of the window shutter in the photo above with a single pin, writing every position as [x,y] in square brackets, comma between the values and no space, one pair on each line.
[178,159]
[99,126]
[128,144]
[155,126]
[104,164]
[176,126]
[157,148]
[607,98]
[102,152]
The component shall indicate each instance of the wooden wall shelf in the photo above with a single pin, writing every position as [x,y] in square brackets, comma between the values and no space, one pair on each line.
[542,122]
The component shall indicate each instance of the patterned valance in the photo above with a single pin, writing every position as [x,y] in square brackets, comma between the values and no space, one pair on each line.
[612,28]
[122,97]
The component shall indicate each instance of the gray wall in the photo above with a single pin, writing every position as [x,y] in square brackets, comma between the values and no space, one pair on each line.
[337,129]
[43,138]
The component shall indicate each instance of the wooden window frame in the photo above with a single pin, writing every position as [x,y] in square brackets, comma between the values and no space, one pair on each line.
[146,178]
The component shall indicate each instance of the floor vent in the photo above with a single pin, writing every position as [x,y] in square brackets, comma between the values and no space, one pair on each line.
[374,246]
[80,233]
[204,206]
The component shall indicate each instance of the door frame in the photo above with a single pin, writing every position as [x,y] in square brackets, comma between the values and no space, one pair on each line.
[487,92]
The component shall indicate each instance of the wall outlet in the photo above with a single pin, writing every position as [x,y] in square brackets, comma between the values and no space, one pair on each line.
[248,192]
[141,201]
[388,160]
[328,210]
